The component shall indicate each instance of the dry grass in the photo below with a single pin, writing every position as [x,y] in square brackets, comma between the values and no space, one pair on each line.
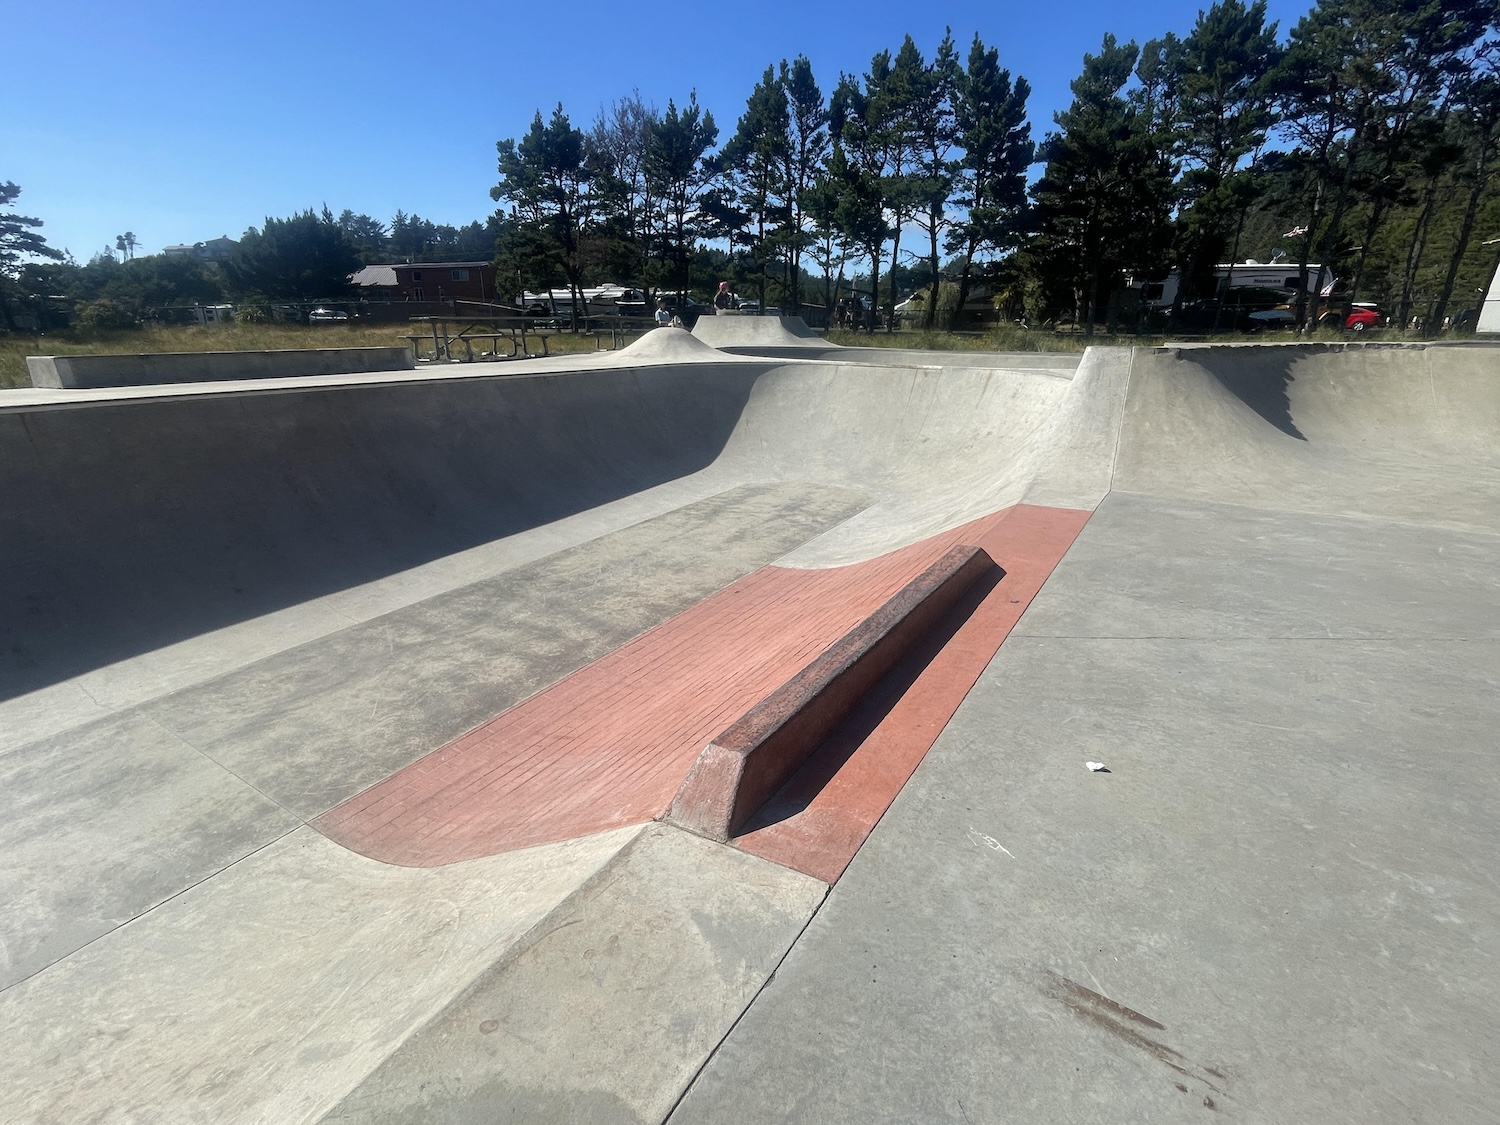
[1012,338]
[1003,338]
[214,338]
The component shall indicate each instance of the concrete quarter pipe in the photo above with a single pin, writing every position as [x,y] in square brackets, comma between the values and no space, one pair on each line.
[335,714]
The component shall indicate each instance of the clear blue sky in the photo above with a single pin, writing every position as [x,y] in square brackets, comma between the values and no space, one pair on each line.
[184,121]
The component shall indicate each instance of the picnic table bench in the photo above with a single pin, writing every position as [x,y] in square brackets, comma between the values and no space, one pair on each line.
[448,335]
[444,333]
[616,327]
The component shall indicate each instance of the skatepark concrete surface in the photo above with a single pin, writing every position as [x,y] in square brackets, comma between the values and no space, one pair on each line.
[232,609]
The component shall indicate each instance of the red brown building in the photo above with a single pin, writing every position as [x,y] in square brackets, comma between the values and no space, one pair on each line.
[445,281]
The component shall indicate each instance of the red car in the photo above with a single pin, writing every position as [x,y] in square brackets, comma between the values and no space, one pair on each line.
[1363,316]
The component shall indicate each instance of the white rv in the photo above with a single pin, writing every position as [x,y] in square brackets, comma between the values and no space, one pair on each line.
[1277,274]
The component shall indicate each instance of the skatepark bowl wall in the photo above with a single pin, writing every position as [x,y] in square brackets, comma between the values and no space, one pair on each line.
[144,520]
[336,713]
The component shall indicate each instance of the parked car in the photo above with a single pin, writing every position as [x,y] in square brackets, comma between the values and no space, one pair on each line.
[1273,318]
[1242,309]
[327,316]
[1363,316]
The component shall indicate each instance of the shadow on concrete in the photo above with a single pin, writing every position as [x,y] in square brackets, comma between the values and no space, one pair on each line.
[803,787]
[132,525]
[1260,381]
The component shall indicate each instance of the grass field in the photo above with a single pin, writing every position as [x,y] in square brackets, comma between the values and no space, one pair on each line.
[1011,338]
[1002,339]
[213,338]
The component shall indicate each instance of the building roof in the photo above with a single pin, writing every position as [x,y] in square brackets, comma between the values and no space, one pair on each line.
[441,265]
[374,275]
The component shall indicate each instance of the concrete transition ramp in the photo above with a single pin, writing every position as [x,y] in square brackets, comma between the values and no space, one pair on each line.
[675,345]
[757,331]
[1408,432]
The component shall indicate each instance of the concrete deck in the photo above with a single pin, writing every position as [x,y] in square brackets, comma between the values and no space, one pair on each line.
[332,710]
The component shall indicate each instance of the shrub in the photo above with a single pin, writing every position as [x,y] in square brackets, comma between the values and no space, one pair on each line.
[104,315]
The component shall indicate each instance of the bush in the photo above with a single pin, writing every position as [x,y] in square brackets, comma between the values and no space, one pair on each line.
[947,304]
[104,315]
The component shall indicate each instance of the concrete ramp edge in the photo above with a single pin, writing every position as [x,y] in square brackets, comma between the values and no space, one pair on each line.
[744,766]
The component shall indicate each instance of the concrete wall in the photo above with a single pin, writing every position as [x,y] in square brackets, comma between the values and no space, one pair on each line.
[138,522]
[134,523]
[96,371]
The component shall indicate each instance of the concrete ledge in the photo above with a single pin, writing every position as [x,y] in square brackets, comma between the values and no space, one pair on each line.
[89,372]
[744,766]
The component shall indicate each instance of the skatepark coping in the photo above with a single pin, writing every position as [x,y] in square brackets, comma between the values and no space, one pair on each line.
[745,765]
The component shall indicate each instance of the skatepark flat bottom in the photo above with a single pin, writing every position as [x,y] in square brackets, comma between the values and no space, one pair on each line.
[1277,905]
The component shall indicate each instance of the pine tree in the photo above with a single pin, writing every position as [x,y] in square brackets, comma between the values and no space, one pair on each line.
[1102,203]
[992,130]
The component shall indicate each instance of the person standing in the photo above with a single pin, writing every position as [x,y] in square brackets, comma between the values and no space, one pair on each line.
[723,299]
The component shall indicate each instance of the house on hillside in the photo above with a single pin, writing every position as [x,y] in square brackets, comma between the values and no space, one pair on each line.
[214,250]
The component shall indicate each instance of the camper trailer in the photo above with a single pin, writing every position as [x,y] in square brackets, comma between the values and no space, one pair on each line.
[1277,274]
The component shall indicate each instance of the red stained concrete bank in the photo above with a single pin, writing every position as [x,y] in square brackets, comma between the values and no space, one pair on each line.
[610,744]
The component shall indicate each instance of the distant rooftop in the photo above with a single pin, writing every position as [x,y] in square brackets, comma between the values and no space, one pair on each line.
[440,265]
[213,248]
[374,275]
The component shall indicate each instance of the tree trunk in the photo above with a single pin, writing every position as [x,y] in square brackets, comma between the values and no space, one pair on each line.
[1465,232]
[794,263]
[1340,208]
[932,263]
[963,283]
[1377,213]
[1090,300]
[895,253]
[760,254]
[1304,256]
[1222,291]
[1416,250]
[575,291]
